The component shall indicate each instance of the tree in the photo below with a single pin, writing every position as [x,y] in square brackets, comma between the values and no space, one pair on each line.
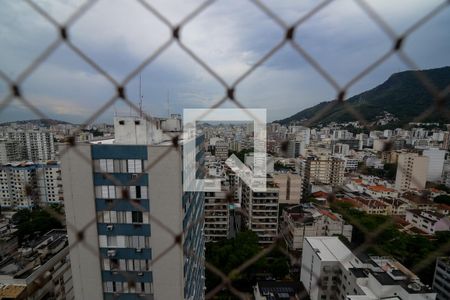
[444,199]
[230,254]
[409,249]
[32,223]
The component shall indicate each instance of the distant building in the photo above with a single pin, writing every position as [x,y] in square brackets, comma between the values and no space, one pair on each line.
[10,151]
[261,211]
[446,172]
[412,171]
[295,148]
[340,148]
[40,270]
[217,216]
[324,169]
[301,221]
[435,163]
[24,185]
[441,282]
[221,150]
[446,141]
[331,271]
[33,145]
[290,187]
[428,221]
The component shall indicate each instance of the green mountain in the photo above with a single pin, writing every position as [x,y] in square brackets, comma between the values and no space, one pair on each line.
[402,95]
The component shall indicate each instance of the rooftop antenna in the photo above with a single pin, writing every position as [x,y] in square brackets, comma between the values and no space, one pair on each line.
[168,104]
[140,95]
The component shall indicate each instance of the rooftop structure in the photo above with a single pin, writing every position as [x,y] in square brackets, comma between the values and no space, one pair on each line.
[331,271]
[41,267]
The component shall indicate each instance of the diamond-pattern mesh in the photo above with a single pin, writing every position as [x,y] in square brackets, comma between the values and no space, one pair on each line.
[15,94]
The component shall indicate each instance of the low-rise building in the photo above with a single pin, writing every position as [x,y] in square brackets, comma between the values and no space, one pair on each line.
[41,270]
[372,206]
[396,206]
[301,221]
[380,191]
[427,220]
[329,270]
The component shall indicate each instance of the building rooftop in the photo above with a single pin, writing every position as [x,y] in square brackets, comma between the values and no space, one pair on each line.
[380,188]
[11,291]
[279,290]
[23,263]
[385,270]
[331,249]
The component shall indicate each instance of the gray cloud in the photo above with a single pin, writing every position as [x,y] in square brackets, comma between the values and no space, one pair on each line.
[229,35]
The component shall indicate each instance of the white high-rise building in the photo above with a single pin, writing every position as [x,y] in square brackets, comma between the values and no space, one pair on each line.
[436,163]
[24,185]
[138,207]
[331,271]
[33,145]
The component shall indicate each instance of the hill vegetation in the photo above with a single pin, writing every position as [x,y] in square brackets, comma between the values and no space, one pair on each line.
[402,95]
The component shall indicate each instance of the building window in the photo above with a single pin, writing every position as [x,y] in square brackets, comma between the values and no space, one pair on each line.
[105,191]
[136,217]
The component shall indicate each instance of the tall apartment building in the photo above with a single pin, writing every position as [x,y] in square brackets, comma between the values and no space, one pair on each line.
[323,169]
[24,185]
[412,171]
[290,187]
[9,151]
[446,172]
[295,148]
[261,211]
[300,133]
[441,282]
[217,216]
[117,264]
[221,150]
[33,145]
[446,141]
[331,271]
[301,221]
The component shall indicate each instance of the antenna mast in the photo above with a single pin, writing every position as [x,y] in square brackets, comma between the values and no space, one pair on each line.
[140,95]
[168,104]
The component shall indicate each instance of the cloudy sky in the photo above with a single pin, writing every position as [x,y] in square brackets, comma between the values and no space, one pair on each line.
[230,36]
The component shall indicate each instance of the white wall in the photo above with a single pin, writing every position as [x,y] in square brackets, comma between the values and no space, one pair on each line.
[80,211]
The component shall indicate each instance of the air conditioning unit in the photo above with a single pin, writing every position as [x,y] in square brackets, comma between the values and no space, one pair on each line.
[110,227]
